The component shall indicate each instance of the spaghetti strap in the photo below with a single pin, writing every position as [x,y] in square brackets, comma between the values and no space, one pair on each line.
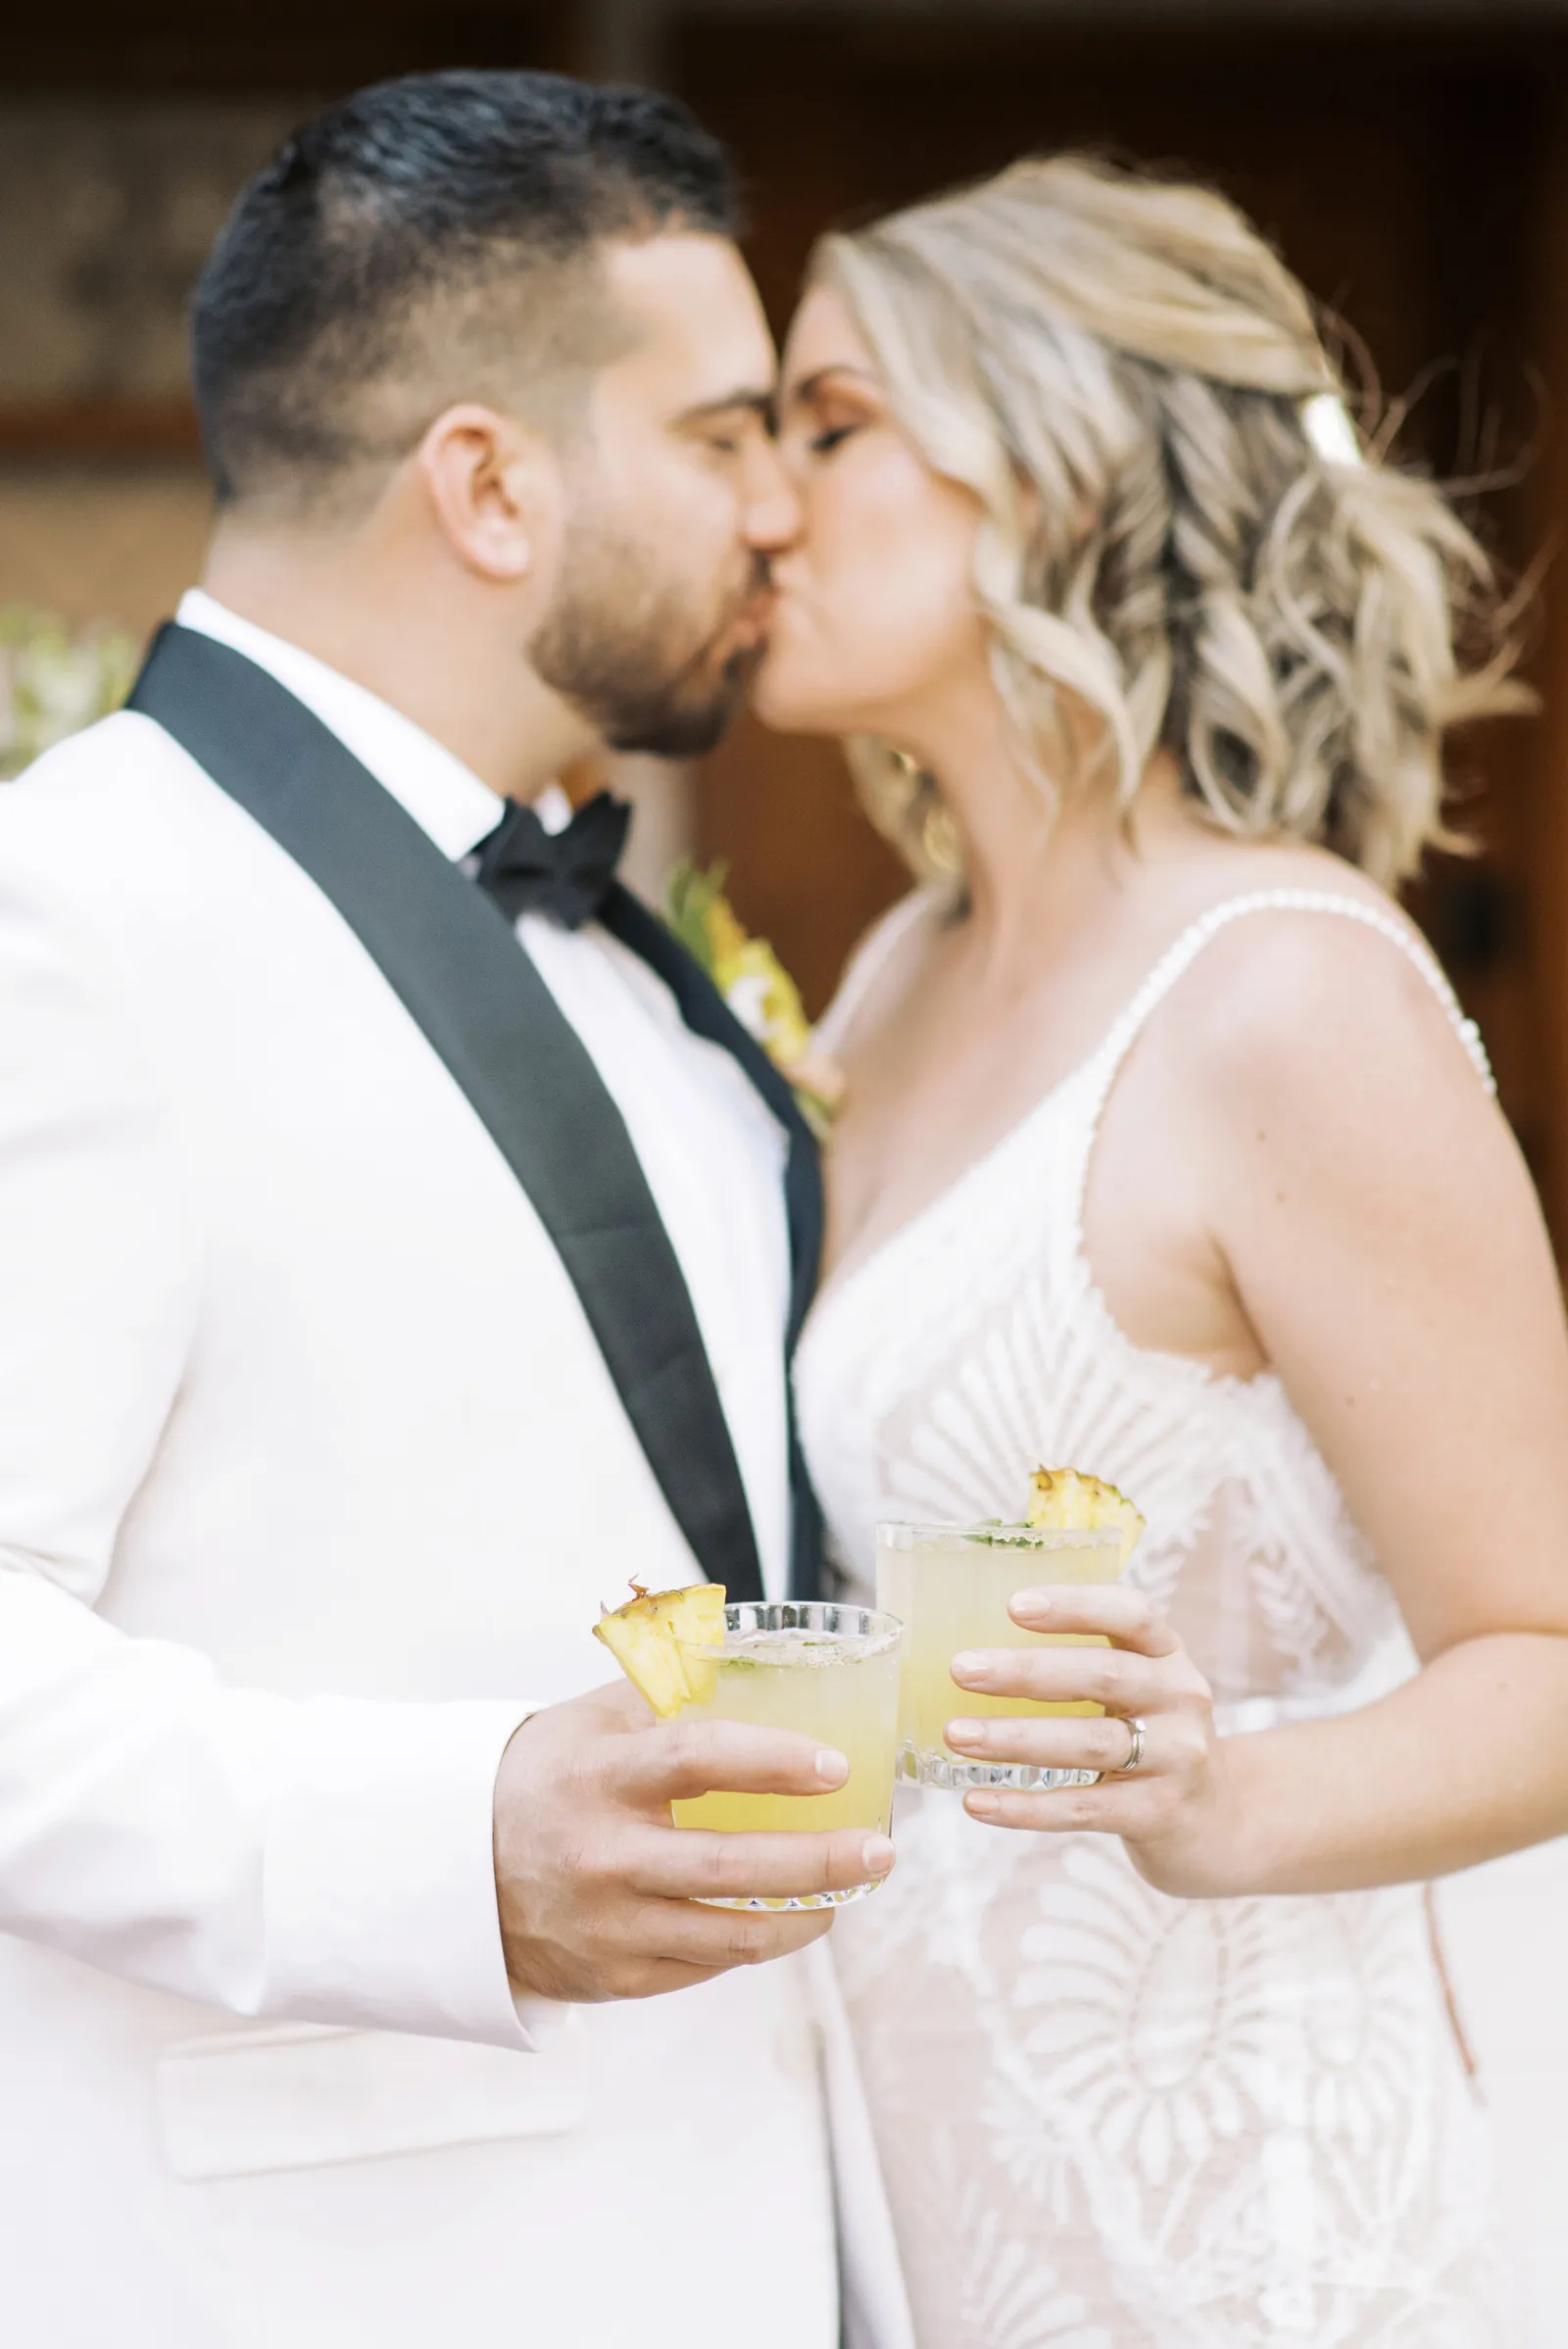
[869,961]
[1179,956]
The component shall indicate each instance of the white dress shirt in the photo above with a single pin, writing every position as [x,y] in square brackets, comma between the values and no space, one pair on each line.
[712,1150]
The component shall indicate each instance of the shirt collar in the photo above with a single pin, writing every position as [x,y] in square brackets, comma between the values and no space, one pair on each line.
[445,798]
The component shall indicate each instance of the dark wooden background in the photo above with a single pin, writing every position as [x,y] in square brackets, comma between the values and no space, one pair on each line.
[1416,176]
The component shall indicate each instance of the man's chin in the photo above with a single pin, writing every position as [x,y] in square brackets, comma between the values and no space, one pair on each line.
[685,729]
[688,737]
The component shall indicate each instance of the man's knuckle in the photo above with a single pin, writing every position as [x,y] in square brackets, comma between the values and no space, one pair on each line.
[743,1943]
[598,1866]
[715,1867]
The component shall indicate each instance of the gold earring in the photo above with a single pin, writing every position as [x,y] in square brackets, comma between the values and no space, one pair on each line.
[940,843]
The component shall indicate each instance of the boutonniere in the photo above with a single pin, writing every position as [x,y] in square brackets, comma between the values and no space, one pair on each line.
[755,986]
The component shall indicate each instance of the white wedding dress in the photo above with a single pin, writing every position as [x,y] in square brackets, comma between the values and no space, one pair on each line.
[1112,2120]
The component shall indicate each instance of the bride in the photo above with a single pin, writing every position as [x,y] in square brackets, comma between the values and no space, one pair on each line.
[1167,1154]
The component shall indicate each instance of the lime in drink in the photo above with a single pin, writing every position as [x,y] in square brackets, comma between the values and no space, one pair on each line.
[831,1673]
[950,1585]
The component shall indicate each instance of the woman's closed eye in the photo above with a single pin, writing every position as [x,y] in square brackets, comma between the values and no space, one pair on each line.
[824,443]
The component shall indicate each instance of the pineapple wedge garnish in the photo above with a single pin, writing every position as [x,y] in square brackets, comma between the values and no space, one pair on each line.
[646,1639]
[1076,1503]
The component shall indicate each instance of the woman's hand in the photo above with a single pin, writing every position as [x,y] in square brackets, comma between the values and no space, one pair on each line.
[1172,1809]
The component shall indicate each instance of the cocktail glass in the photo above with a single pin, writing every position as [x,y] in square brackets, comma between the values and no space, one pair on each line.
[950,1585]
[830,1672]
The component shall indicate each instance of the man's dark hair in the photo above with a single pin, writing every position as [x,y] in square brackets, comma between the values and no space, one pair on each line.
[429,240]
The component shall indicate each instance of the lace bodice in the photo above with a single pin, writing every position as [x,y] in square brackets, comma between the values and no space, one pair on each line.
[1005,1347]
[1102,2076]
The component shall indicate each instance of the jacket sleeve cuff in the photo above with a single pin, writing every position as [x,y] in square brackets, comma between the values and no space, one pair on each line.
[380,1885]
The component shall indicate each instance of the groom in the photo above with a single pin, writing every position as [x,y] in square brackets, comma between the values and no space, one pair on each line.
[400,1247]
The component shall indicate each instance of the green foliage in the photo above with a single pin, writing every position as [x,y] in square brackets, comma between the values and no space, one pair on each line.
[55,680]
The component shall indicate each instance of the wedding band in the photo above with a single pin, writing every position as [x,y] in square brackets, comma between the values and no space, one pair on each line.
[1135,1751]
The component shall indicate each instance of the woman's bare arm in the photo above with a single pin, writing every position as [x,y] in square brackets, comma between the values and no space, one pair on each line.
[1386,1245]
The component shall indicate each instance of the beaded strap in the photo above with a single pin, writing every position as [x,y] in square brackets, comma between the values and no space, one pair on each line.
[1191,942]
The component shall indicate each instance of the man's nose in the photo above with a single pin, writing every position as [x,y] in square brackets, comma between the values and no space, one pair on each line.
[772,519]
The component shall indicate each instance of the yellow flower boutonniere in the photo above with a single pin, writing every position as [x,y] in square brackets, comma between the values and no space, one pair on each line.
[755,986]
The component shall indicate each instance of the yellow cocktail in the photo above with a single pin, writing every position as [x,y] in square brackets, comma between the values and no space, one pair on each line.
[950,1586]
[829,1672]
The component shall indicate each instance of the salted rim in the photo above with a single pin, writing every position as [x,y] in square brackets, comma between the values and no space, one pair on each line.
[882,1633]
[996,1532]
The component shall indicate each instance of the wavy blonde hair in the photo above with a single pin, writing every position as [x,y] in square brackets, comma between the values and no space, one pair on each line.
[1117,368]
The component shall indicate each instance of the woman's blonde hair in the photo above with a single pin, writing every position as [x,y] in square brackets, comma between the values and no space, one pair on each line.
[1119,369]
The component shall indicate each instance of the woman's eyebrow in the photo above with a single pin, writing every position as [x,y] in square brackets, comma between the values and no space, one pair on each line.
[809,385]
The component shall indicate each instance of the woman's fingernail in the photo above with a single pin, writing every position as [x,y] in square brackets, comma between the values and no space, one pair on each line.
[831,1768]
[980,1807]
[1030,1603]
[969,1666]
[967,1732]
[878,1855]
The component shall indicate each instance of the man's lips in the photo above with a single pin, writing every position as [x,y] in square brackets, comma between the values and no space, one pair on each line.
[750,625]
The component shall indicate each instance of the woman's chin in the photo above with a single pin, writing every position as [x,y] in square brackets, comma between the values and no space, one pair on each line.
[776,711]
[787,702]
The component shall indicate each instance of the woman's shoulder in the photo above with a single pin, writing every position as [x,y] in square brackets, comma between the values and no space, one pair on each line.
[1296,911]
[1313,983]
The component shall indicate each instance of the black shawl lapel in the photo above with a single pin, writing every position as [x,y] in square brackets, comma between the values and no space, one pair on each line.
[460,971]
[706,1013]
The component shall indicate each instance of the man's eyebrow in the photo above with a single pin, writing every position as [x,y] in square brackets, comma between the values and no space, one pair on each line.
[758,402]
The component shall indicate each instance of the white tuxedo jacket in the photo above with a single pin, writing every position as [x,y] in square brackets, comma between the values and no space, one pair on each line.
[311,1480]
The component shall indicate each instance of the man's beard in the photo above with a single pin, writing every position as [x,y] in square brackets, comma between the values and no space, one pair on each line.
[618,645]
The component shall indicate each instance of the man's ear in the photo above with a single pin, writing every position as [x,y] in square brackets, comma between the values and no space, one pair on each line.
[495,490]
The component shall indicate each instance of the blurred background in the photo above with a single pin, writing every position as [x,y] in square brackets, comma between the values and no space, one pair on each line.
[1409,156]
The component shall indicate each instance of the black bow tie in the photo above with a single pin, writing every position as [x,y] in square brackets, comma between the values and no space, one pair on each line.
[530,870]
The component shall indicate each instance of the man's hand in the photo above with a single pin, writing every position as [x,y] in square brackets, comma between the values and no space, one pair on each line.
[597,1888]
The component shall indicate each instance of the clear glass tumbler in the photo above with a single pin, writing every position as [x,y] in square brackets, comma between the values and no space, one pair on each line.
[830,1672]
[950,1585]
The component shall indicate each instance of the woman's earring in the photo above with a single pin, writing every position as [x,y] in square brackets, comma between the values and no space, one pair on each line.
[922,812]
[940,843]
